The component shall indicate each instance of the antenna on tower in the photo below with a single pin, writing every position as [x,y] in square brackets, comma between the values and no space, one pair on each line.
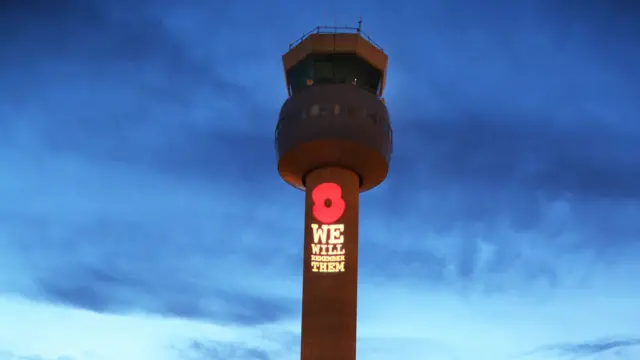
[360,24]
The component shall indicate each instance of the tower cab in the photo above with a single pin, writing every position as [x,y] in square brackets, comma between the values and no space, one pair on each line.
[319,69]
[335,114]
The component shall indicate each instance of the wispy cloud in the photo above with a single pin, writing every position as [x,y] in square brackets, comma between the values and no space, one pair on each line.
[623,348]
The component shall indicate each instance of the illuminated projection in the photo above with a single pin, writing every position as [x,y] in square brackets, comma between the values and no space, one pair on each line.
[327,252]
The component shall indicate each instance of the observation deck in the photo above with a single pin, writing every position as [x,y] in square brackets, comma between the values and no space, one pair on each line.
[335,114]
[325,40]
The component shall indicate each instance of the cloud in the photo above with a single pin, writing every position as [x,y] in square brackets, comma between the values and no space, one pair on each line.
[93,336]
[612,348]
[597,347]
[478,150]
[108,243]
[101,291]
[214,351]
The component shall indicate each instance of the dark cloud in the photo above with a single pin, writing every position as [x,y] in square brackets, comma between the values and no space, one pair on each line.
[599,347]
[238,308]
[213,350]
[537,156]
[515,169]
[614,347]
[104,53]
[127,90]
[189,153]
[95,289]
[90,295]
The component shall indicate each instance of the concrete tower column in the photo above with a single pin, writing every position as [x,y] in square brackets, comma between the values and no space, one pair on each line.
[330,273]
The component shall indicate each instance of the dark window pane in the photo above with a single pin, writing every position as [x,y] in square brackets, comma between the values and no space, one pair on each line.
[343,69]
[324,72]
[300,74]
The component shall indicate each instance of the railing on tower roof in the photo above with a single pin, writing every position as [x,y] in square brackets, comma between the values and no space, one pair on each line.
[336,30]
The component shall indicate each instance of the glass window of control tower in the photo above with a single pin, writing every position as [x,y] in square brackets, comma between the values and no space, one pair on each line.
[300,75]
[334,69]
[323,72]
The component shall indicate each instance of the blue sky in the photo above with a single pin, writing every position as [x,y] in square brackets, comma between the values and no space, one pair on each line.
[142,216]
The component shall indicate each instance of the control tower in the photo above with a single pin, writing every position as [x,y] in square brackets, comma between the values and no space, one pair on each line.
[333,141]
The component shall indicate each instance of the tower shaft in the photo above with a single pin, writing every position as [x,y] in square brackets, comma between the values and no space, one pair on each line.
[330,272]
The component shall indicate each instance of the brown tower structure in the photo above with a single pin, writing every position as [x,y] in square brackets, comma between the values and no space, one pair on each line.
[333,141]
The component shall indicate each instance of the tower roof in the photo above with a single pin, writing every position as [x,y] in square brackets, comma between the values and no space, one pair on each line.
[337,40]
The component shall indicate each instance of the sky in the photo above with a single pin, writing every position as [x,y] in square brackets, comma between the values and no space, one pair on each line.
[142,216]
